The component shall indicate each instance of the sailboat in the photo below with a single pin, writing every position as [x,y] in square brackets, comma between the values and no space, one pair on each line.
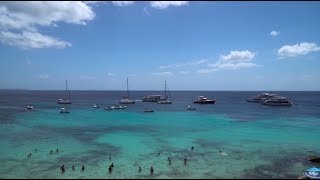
[165,99]
[127,100]
[65,101]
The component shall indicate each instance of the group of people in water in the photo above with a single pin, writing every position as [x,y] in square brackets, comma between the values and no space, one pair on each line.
[62,168]
[110,169]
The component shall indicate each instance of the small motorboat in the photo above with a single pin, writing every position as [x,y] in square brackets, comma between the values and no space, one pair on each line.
[64,110]
[108,108]
[29,107]
[148,110]
[95,106]
[191,108]
[118,107]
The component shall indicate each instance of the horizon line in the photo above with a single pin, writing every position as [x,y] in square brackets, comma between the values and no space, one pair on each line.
[141,90]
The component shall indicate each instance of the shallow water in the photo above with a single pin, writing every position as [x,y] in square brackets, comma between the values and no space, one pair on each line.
[257,141]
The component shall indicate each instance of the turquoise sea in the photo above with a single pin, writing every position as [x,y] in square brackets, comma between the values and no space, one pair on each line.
[256,141]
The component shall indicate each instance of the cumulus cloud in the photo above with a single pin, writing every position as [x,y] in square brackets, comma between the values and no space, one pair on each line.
[274,33]
[165,4]
[238,56]
[297,49]
[166,73]
[232,61]
[122,3]
[27,40]
[20,21]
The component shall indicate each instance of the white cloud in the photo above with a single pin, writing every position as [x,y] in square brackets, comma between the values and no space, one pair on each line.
[165,4]
[205,71]
[274,33]
[21,20]
[167,73]
[131,75]
[297,49]
[29,62]
[122,3]
[184,72]
[27,40]
[44,76]
[111,74]
[87,77]
[238,56]
[190,63]
[234,60]
[238,65]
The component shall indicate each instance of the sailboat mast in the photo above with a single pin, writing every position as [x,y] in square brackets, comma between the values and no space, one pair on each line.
[67,89]
[127,88]
[165,89]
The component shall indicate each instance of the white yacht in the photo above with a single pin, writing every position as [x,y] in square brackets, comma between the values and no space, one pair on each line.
[108,108]
[191,108]
[29,107]
[203,100]
[95,106]
[64,110]
[277,101]
[118,107]
[261,97]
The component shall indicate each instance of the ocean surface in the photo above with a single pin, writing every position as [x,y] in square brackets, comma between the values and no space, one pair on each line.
[255,141]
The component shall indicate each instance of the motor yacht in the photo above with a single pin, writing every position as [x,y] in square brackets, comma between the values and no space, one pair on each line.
[204,100]
[261,97]
[277,101]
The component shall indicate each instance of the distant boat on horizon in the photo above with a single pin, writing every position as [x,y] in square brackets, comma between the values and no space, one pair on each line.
[65,101]
[127,100]
[204,100]
[277,101]
[148,110]
[64,110]
[261,97]
[29,107]
[95,106]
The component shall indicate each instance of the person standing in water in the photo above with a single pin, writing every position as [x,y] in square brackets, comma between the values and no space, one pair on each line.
[139,169]
[151,170]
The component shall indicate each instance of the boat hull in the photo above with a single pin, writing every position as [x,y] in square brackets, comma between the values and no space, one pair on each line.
[204,102]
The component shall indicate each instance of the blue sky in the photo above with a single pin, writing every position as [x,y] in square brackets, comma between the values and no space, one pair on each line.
[192,45]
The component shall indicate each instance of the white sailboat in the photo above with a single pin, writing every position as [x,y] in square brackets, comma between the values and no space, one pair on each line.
[127,100]
[65,101]
[165,99]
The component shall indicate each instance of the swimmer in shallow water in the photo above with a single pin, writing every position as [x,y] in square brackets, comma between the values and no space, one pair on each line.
[223,153]
[139,169]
